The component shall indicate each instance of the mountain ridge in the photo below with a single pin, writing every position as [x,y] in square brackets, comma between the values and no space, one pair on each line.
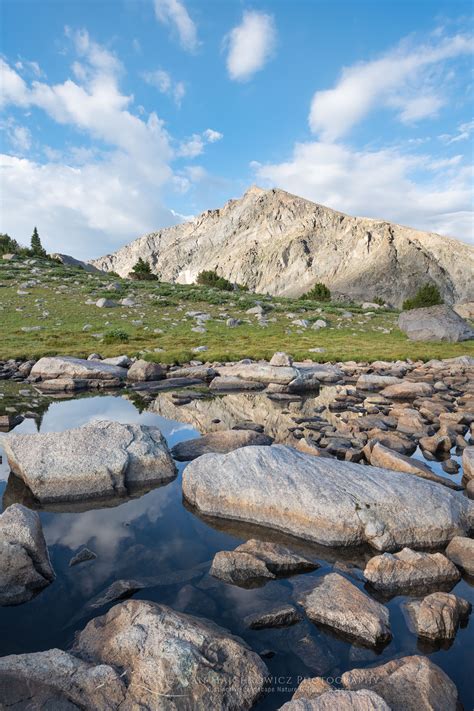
[278,243]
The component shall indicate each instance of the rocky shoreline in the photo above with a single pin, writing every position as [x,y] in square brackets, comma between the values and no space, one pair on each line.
[322,453]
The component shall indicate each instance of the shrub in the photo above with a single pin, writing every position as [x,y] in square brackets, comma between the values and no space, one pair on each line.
[378,300]
[319,292]
[427,295]
[116,335]
[142,271]
[211,278]
[8,245]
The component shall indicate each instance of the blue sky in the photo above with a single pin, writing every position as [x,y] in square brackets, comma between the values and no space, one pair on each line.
[123,116]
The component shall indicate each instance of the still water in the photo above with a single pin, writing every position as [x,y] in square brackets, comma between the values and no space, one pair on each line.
[158,542]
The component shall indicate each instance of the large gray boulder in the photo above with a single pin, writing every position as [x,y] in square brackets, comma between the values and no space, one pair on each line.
[172,660]
[50,368]
[434,323]
[25,567]
[96,461]
[327,501]
[140,655]
[407,684]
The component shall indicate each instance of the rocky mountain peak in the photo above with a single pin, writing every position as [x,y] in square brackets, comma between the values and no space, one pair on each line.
[278,243]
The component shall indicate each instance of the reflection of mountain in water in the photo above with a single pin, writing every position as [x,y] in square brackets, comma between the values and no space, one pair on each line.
[223,412]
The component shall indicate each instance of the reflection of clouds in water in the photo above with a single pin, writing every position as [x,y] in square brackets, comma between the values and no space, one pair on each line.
[106,527]
[105,531]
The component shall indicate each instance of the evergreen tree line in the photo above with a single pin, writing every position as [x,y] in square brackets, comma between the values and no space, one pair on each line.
[8,245]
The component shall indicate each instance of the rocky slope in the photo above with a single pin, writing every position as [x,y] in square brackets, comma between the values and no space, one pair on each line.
[281,244]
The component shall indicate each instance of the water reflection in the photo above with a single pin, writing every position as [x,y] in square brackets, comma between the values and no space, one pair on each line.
[160,544]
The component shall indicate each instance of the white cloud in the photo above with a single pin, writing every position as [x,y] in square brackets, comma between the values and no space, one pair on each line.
[93,198]
[19,137]
[251,45]
[178,92]
[463,134]
[162,81]
[212,136]
[194,146]
[395,79]
[174,13]
[382,184]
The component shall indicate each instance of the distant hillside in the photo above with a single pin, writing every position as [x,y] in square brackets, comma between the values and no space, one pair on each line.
[277,243]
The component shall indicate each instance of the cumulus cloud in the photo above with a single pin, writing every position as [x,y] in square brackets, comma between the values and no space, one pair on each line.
[400,79]
[174,14]
[19,137]
[212,136]
[194,146]
[382,184]
[92,197]
[162,81]
[250,45]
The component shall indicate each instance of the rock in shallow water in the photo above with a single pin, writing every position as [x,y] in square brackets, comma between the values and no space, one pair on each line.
[254,562]
[339,604]
[338,700]
[67,367]
[407,684]
[139,655]
[222,441]
[98,460]
[25,567]
[461,552]
[410,570]
[381,456]
[326,501]
[438,615]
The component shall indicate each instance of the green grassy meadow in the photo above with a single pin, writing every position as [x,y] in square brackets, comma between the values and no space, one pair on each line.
[157,327]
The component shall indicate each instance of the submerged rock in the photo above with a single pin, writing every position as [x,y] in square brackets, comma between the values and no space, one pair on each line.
[410,570]
[407,684]
[438,615]
[254,562]
[324,500]
[277,616]
[222,441]
[25,567]
[339,604]
[82,556]
[98,460]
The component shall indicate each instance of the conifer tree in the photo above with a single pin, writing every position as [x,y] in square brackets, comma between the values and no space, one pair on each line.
[36,247]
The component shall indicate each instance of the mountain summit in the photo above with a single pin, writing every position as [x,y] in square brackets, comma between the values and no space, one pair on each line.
[278,243]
